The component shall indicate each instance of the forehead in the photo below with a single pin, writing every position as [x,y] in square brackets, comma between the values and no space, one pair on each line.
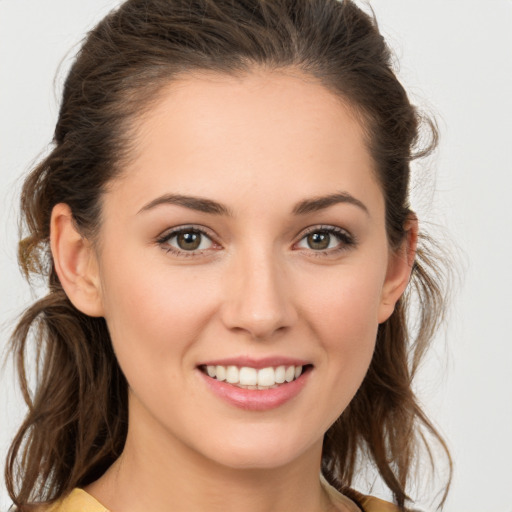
[265,130]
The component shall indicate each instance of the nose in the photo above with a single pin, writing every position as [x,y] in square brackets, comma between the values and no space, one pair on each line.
[258,296]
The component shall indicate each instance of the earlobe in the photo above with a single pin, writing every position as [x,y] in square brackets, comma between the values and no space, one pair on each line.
[399,270]
[75,262]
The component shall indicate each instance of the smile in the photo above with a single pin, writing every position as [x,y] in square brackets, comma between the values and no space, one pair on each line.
[246,377]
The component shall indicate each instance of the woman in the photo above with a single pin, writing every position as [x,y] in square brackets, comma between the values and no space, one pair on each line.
[225,225]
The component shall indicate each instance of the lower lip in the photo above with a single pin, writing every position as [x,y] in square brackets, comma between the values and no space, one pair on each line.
[256,400]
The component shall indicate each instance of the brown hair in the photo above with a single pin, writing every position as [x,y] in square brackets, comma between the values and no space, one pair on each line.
[77,415]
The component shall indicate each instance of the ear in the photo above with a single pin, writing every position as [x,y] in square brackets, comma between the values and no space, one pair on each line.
[399,270]
[75,262]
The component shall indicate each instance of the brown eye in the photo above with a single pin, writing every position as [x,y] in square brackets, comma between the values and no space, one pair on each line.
[185,240]
[319,240]
[189,240]
[326,239]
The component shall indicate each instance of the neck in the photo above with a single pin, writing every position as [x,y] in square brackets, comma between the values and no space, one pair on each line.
[161,474]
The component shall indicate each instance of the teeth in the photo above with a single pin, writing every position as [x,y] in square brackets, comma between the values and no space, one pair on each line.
[280,374]
[251,378]
[289,374]
[220,373]
[232,375]
[266,377]
[248,376]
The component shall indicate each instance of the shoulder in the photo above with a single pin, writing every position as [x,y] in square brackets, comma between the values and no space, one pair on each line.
[371,504]
[355,501]
[76,500]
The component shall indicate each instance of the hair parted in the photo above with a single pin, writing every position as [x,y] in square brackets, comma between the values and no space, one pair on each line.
[76,423]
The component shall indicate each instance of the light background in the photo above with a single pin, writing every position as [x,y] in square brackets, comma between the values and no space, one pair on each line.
[456,61]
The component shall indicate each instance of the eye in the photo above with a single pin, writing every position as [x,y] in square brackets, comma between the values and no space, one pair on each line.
[185,240]
[328,238]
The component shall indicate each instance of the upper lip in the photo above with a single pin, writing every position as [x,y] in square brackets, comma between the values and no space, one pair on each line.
[258,363]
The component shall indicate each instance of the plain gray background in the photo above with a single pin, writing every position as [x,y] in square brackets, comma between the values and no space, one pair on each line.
[456,61]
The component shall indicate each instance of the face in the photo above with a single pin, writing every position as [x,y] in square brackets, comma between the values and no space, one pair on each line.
[244,244]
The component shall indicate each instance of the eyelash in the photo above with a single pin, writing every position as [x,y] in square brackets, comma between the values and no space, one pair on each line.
[345,239]
[163,241]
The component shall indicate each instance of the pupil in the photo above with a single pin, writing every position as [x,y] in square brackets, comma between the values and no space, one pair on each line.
[318,241]
[189,241]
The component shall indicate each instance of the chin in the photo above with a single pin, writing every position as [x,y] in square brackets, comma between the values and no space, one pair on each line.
[248,452]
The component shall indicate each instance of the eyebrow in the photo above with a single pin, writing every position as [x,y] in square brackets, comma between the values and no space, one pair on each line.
[199,204]
[321,203]
[214,208]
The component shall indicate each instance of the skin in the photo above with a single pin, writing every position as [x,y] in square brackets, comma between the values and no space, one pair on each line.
[259,145]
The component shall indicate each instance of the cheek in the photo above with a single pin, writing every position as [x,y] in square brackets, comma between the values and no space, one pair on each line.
[345,320]
[346,305]
[154,315]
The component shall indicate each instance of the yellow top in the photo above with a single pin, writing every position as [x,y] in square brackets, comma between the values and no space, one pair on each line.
[80,501]
[369,503]
[77,501]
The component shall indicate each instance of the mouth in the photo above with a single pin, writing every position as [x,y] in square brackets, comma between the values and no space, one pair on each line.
[247,377]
